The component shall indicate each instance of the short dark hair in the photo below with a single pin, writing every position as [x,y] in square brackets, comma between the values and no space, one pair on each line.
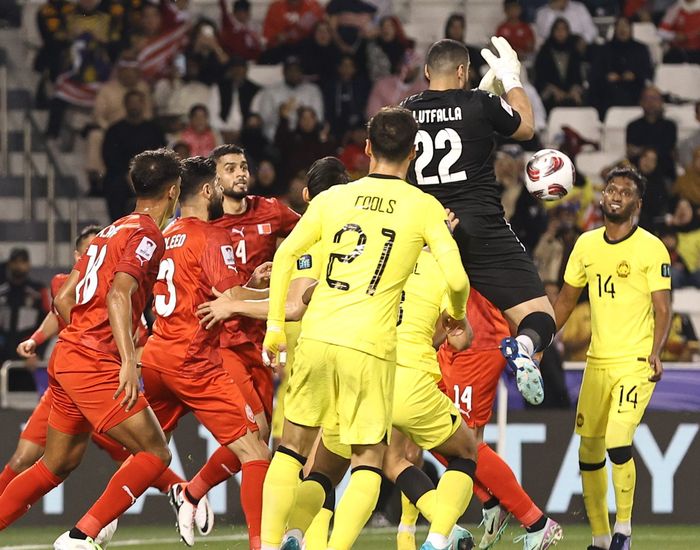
[85,232]
[446,55]
[627,172]
[324,174]
[133,93]
[198,107]
[226,149]
[392,132]
[151,172]
[196,171]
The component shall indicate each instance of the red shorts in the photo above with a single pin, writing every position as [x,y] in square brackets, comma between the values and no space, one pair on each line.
[471,379]
[213,397]
[244,364]
[83,382]
[38,423]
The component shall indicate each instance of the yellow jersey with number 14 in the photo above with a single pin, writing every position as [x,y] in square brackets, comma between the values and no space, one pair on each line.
[370,233]
[621,277]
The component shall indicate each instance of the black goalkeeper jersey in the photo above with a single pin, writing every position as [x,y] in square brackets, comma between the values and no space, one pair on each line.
[455,146]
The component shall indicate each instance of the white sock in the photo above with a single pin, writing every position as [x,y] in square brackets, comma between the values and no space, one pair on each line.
[602,541]
[438,540]
[623,527]
[294,534]
[403,528]
[527,344]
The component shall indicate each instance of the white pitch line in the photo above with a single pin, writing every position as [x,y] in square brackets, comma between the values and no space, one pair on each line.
[135,542]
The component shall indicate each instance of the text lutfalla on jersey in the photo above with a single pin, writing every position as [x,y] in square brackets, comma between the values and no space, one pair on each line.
[446,114]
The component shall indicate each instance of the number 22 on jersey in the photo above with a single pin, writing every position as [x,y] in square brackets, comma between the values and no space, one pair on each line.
[442,138]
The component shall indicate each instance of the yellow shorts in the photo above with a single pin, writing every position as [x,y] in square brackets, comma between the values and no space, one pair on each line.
[331,384]
[421,411]
[612,400]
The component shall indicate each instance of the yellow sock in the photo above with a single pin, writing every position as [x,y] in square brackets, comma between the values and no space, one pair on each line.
[595,499]
[409,513]
[279,492]
[426,505]
[355,508]
[453,493]
[316,535]
[624,478]
[310,497]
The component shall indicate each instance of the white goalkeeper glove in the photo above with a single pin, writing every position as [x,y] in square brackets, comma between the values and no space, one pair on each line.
[489,83]
[506,66]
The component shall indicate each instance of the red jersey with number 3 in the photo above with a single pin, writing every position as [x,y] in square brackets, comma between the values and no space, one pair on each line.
[254,236]
[197,257]
[133,245]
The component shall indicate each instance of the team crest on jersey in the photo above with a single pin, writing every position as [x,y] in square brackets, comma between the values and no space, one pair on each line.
[145,250]
[264,229]
[666,270]
[304,262]
[579,420]
[229,258]
[623,269]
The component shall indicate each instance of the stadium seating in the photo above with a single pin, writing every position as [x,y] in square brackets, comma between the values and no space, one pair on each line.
[647,34]
[684,116]
[615,127]
[681,80]
[583,120]
[592,164]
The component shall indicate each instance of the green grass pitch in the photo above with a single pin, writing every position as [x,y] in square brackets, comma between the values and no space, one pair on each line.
[576,537]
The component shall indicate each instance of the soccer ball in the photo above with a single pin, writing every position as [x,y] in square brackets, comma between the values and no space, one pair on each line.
[549,175]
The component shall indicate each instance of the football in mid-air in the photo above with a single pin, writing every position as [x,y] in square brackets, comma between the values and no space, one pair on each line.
[549,175]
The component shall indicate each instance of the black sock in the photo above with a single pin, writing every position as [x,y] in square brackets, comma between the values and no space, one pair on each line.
[76,533]
[538,525]
[539,327]
[192,500]
[491,503]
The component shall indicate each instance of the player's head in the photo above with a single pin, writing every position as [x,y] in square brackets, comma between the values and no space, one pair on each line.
[155,177]
[622,194]
[324,174]
[82,241]
[232,170]
[200,183]
[448,62]
[392,132]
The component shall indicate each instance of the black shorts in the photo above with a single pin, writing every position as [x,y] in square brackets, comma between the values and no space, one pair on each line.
[496,261]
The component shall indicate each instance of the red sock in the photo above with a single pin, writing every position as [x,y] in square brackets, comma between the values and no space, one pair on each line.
[493,472]
[481,492]
[25,490]
[252,497]
[127,484]
[222,465]
[166,480]
[7,475]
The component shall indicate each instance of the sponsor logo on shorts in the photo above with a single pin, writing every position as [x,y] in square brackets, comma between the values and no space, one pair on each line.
[249,413]
[304,262]
[579,420]
[623,269]
[666,270]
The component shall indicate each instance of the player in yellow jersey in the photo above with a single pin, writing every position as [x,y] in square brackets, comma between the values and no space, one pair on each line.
[371,232]
[628,273]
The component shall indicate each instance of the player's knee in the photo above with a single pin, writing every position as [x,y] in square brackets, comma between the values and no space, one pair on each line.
[620,455]
[301,459]
[323,480]
[540,327]
[464,465]
[592,450]
[163,453]
[22,460]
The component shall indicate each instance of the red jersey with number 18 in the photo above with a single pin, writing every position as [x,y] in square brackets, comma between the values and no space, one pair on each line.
[132,244]
[197,257]
[254,236]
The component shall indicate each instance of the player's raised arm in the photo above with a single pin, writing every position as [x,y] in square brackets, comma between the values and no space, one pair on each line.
[506,71]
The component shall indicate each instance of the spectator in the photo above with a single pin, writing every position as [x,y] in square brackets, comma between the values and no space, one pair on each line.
[287,23]
[576,333]
[681,28]
[254,141]
[680,274]
[198,134]
[267,184]
[352,21]
[391,89]
[109,108]
[656,202]
[345,97]
[231,98]
[455,29]
[23,303]
[293,92]
[204,49]
[682,343]
[689,144]
[52,20]
[175,96]
[353,154]
[655,131]
[518,33]
[385,53]
[549,252]
[319,54]
[558,72]
[687,186]
[622,70]
[182,150]
[577,15]
[649,11]
[124,139]
[240,37]
[305,144]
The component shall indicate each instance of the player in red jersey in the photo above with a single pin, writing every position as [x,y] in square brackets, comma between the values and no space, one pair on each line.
[182,369]
[256,226]
[93,371]
[32,440]
[471,377]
